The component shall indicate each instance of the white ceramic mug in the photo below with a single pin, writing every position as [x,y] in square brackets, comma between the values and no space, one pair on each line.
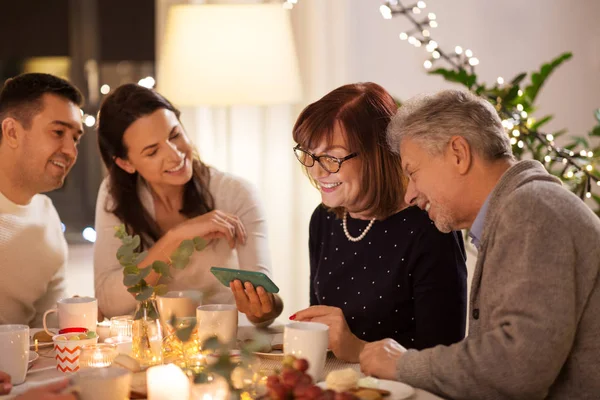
[179,303]
[220,320]
[308,340]
[74,312]
[113,383]
[14,351]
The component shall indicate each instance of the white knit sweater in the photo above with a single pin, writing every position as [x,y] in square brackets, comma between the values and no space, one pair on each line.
[232,195]
[33,254]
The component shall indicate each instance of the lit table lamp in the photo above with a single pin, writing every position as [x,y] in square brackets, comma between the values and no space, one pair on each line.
[224,55]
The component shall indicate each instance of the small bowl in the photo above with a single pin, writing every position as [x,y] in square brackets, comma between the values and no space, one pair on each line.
[68,351]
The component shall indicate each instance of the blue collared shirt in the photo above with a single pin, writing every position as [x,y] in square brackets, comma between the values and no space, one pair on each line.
[476,230]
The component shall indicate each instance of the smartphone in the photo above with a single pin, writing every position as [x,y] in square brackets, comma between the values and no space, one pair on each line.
[226,275]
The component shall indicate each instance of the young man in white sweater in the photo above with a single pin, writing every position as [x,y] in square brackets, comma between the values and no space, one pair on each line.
[40,127]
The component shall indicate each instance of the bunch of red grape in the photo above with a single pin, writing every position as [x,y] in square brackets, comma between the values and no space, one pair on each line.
[294,383]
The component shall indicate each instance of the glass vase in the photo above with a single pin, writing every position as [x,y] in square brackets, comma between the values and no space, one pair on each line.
[146,345]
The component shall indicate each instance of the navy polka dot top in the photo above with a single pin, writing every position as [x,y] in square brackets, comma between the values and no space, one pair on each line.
[404,280]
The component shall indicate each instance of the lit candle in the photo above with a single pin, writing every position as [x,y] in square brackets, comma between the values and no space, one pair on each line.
[36,345]
[167,382]
[97,355]
[216,388]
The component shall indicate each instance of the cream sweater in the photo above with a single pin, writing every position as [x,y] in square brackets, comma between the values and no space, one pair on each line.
[232,195]
[33,255]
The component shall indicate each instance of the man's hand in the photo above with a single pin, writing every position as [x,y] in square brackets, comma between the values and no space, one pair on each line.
[380,358]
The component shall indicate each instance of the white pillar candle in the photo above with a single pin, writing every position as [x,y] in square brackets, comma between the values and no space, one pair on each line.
[167,382]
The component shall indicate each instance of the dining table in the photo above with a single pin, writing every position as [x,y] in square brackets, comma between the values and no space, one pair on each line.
[43,370]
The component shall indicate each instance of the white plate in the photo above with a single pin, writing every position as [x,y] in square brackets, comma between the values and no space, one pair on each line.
[32,357]
[398,390]
[32,332]
[273,355]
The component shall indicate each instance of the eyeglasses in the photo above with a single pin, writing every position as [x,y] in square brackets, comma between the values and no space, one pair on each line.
[329,163]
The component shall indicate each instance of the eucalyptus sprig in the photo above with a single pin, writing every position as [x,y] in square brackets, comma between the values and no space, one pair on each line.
[130,257]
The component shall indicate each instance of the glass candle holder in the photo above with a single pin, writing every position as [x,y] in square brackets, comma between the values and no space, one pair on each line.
[121,326]
[97,355]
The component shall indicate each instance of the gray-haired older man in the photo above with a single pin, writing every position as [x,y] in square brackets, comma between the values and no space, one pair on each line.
[535,298]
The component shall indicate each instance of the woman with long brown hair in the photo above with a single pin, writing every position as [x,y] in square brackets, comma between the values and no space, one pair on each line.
[378,267]
[158,187]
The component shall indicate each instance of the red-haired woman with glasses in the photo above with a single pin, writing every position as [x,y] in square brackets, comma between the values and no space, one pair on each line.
[379,268]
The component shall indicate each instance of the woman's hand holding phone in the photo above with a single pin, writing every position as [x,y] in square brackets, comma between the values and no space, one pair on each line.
[257,303]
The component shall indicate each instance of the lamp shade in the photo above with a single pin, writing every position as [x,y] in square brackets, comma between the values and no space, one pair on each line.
[224,55]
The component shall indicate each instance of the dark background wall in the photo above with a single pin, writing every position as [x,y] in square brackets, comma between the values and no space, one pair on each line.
[105,32]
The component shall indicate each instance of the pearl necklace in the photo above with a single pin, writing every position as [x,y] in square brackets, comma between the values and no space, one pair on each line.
[359,237]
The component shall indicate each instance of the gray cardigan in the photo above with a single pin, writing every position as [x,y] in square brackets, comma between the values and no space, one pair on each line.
[534,325]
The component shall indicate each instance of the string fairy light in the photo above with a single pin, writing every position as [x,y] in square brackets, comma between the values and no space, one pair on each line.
[516,121]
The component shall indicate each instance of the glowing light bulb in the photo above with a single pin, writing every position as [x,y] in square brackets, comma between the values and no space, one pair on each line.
[104,89]
[590,154]
[385,11]
[549,137]
[524,114]
[520,93]
[458,50]
[513,141]
[589,168]
[416,10]
[468,53]
[500,80]
[89,121]
[427,64]
[516,133]
[473,61]
[89,234]
[583,153]
[433,24]
[435,54]
[432,16]
[421,4]
[520,144]
[588,195]
[433,44]
[547,159]
[403,36]
[417,43]
[426,33]
[570,174]
[520,107]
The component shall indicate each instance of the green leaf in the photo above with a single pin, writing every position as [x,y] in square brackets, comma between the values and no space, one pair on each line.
[120,231]
[127,259]
[199,243]
[144,272]
[185,249]
[212,343]
[125,251]
[511,95]
[184,327]
[140,257]
[145,294]
[162,268]
[460,76]
[517,79]
[537,124]
[131,279]
[131,270]
[160,290]
[538,78]
[595,131]
[180,263]
[135,289]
